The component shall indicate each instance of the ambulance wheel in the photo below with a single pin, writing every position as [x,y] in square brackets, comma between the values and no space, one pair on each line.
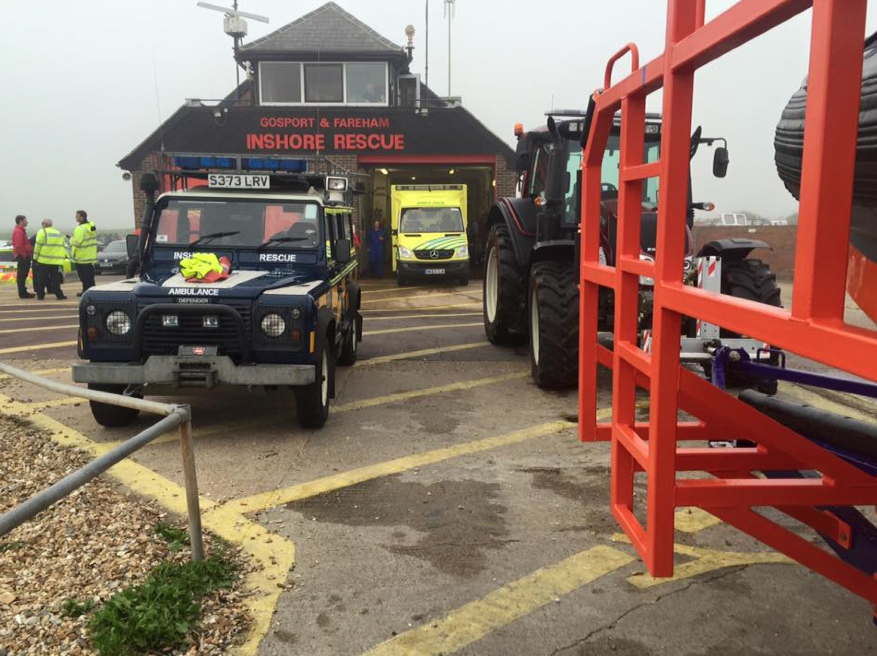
[505,290]
[348,348]
[312,401]
[111,416]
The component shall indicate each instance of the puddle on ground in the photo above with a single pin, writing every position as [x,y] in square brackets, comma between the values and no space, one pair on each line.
[458,519]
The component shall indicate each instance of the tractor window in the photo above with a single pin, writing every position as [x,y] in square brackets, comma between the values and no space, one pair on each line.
[609,174]
[573,165]
[539,172]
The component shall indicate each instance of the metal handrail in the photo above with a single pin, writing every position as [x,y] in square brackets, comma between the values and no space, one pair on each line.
[174,416]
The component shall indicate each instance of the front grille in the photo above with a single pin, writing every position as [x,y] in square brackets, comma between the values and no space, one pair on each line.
[158,340]
[440,254]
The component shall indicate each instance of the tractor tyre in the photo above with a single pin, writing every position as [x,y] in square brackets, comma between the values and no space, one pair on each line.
[505,287]
[111,416]
[752,280]
[554,325]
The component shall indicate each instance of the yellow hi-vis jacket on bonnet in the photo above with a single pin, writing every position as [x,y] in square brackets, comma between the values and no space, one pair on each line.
[84,243]
[49,247]
[205,267]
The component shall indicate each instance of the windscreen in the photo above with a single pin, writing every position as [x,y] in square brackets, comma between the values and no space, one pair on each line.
[239,223]
[431,219]
[609,173]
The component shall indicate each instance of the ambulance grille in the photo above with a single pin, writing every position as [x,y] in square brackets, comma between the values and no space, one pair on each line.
[440,254]
[158,340]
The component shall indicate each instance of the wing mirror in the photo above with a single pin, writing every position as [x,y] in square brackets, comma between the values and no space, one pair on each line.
[342,251]
[131,244]
[720,162]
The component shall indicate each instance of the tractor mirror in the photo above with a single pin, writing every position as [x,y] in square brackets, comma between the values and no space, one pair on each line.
[522,155]
[131,244]
[342,251]
[720,162]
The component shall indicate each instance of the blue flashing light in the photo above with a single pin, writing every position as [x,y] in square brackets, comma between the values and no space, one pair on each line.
[193,163]
[274,164]
[188,162]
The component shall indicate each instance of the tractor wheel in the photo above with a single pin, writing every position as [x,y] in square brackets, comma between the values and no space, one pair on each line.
[505,286]
[554,325]
[752,280]
[111,416]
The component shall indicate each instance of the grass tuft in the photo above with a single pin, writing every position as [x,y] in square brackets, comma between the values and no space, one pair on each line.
[75,608]
[176,538]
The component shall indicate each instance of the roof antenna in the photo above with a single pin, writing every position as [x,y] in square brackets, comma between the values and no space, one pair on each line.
[450,10]
[158,106]
[236,27]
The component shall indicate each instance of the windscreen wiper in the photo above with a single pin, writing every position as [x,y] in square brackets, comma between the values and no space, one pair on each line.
[281,240]
[213,235]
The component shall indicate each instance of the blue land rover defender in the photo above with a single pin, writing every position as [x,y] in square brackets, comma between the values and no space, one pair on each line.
[288,311]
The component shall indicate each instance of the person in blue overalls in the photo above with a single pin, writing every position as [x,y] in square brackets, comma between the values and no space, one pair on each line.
[375,238]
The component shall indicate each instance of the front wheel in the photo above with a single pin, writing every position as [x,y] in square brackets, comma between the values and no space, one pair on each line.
[312,401]
[554,325]
[504,290]
[111,416]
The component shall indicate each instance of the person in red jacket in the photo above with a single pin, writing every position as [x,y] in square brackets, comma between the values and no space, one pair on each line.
[22,251]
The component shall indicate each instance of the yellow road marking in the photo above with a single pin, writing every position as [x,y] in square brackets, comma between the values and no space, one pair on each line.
[421,328]
[36,347]
[275,553]
[266,500]
[705,560]
[41,372]
[381,359]
[418,296]
[694,520]
[30,330]
[429,391]
[804,395]
[428,308]
[378,290]
[2,320]
[427,316]
[37,309]
[476,619]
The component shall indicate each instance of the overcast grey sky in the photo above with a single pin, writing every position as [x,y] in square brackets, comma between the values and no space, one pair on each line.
[79,91]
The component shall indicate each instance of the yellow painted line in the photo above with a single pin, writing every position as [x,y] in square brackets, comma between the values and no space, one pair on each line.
[804,395]
[694,520]
[381,359]
[266,500]
[419,296]
[421,328]
[41,308]
[275,554]
[429,391]
[36,347]
[41,372]
[30,330]
[426,316]
[704,560]
[503,606]
[377,290]
[70,316]
[429,308]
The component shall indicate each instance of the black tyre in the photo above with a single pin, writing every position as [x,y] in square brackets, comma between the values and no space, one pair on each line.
[504,288]
[312,401]
[111,416]
[553,303]
[349,347]
[752,280]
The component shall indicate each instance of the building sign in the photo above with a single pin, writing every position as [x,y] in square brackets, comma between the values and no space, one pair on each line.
[338,134]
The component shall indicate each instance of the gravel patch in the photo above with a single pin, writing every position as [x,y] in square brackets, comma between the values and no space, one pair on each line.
[85,548]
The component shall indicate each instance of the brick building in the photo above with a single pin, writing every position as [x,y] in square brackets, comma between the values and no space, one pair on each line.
[328,88]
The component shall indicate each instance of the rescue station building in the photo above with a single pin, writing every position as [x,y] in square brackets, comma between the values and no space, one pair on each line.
[329,89]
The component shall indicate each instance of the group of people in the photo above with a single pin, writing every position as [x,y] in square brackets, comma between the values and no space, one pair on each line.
[46,253]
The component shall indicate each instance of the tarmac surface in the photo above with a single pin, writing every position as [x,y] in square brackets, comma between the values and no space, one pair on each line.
[447,507]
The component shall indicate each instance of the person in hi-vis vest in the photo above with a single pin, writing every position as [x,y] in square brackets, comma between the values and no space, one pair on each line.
[49,256]
[84,246]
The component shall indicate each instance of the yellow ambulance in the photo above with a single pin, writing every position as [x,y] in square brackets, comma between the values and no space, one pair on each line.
[429,232]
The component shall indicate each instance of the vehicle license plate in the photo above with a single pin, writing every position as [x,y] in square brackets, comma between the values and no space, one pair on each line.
[432,272]
[238,181]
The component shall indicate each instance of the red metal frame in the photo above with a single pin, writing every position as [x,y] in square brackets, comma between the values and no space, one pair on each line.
[815,321]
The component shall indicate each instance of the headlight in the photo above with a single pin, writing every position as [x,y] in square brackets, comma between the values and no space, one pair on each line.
[463,251]
[405,253]
[273,325]
[118,323]
[643,280]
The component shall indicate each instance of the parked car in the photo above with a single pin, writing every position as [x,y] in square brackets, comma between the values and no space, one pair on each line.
[113,258]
